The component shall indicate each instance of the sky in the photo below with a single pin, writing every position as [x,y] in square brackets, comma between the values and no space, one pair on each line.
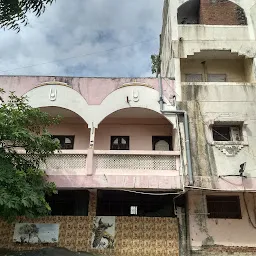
[90,38]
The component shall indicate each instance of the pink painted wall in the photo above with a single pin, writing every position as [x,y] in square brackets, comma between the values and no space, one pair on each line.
[94,90]
[117,181]
[227,232]
[81,132]
[140,134]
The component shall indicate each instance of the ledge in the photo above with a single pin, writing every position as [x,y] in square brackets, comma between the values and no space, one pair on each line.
[137,152]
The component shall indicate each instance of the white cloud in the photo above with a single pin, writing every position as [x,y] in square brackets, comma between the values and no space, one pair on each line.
[82,27]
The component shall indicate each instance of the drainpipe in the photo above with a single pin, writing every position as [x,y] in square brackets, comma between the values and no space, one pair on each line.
[186,127]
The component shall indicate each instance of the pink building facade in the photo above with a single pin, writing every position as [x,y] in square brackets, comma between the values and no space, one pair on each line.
[94,111]
[120,164]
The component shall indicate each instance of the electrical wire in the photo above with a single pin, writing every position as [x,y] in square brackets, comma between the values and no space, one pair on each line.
[148,193]
[79,56]
[247,211]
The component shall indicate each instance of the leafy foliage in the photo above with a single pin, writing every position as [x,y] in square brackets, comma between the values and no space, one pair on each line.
[156,64]
[23,186]
[14,12]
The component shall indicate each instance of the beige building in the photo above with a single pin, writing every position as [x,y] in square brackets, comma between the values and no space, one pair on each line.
[209,47]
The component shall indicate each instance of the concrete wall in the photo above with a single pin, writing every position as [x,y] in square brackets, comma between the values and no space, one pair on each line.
[220,236]
[81,132]
[135,236]
[91,99]
[234,69]
[211,32]
[230,102]
[181,41]
[140,132]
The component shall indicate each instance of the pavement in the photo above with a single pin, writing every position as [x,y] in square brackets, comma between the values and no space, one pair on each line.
[46,252]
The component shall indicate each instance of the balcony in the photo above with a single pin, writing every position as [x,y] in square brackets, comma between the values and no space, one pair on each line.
[136,162]
[132,148]
[66,162]
[113,162]
[195,38]
[115,169]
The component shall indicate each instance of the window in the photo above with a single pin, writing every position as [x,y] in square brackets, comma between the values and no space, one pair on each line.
[226,133]
[121,203]
[193,78]
[224,207]
[119,142]
[216,77]
[66,141]
[162,143]
[69,203]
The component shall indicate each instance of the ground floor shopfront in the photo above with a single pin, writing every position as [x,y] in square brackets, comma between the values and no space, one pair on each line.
[139,229]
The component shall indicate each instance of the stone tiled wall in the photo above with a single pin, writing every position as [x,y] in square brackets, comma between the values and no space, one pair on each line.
[135,236]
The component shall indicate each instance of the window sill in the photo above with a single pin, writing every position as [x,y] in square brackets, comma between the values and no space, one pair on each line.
[231,143]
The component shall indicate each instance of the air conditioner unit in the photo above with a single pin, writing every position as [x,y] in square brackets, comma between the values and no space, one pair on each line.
[236,133]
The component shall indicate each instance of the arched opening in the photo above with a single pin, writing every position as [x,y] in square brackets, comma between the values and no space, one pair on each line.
[134,129]
[58,96]
[216,66]
[188,13]
[211,12]
[72,131]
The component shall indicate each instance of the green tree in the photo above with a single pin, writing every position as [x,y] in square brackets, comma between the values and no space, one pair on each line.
[155,64]
[14,12]
[23,185]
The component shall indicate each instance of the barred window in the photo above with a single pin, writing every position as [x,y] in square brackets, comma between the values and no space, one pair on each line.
[227,133]
[193,78]
[66,141]
[224,207]
[119,142]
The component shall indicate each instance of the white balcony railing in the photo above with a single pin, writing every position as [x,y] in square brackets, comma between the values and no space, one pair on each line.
[72,161]
[135,160]
[117,162]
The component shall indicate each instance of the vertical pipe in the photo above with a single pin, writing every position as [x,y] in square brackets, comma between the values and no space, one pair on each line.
[186,128]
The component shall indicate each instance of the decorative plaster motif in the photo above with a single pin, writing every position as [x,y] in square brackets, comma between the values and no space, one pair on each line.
[135,95]
[135,84]
[229,150]
[53,94]
[53,83]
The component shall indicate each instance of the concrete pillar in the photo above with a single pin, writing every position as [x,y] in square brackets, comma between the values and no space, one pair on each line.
[92,202]
[177,79]
[90,153]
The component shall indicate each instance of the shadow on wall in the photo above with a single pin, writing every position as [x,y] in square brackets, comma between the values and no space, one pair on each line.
[188,13]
